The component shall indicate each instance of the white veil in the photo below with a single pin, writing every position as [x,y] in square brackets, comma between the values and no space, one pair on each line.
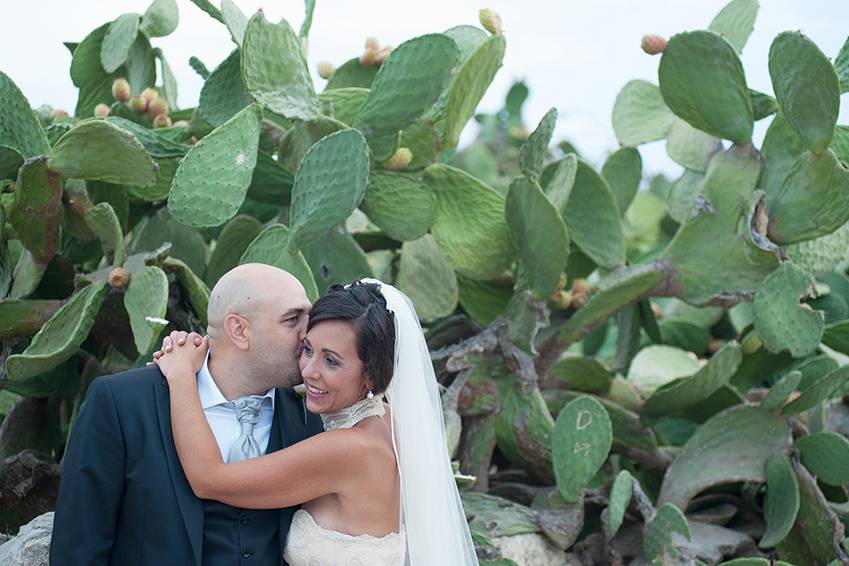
[431,511]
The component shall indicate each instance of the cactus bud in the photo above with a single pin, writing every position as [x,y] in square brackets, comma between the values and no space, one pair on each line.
[653,44]
[562,299]
[400,159]
[181,124]
[580,292]
[715,345]
[372,44]
[490,20]
[369,57]
[561,284]
[162,121]
[751,343]
[121,90]
[157,108]
[149,95]
[193,140]
[325,69]
[118,278]
[56,113]
[101,110]
[382,55]
[658,312]
[137,105]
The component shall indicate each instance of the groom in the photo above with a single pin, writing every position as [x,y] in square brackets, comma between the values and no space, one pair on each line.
[123,498]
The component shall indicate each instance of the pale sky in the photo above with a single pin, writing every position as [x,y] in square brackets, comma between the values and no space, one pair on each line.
[574,55]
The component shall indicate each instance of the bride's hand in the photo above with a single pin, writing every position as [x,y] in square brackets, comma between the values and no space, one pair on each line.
[181,354]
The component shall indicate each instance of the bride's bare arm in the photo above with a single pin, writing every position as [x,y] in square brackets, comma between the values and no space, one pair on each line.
[309,469]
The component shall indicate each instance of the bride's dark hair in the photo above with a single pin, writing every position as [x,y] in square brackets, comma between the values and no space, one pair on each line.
[363,305]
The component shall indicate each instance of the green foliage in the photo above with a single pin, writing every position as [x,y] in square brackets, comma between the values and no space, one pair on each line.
[735,22]
[640,115]
[782,500]
[620,496]
[425,275]
[657,539]
[37,210]
[160,18]
[826,455]
[146,300]
[270,247]
[400,204]
[19,127]
[223,93]
[582,439]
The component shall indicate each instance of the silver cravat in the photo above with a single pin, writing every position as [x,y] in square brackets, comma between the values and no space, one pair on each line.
[247,413]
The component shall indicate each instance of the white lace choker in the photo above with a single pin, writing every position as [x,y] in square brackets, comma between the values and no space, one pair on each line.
[349,416]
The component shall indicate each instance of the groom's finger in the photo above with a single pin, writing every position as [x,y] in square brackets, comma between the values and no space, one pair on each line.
[166,344]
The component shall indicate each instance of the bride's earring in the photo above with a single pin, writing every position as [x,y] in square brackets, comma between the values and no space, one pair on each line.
[370,395]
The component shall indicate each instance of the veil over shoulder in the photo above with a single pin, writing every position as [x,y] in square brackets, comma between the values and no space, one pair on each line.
[432,513]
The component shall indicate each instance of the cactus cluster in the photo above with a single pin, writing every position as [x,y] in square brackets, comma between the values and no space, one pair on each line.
[639,376]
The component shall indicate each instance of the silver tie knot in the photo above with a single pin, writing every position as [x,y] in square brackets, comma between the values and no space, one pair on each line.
[247,414]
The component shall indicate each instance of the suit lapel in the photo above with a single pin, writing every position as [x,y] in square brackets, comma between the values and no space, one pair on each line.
[190,506]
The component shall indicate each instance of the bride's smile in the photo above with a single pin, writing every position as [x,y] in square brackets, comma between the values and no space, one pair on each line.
[332,371]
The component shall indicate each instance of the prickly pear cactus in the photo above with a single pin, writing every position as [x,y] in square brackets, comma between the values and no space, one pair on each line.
[582,439]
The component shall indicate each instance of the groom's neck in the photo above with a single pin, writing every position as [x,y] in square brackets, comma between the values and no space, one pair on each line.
[227,376]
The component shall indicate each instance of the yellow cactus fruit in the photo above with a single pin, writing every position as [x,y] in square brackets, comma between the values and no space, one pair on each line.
[121,90]
[325,69]
[101,110]
[490,20]
[400,159]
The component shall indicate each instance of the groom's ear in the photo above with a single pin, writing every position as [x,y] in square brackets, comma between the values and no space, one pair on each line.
[237,329]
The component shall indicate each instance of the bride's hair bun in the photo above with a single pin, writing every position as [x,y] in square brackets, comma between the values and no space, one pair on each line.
[364,306]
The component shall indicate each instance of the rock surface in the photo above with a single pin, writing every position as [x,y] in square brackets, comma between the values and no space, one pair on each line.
[32,545]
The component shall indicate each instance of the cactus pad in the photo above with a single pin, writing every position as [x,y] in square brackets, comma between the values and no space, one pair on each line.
[470,224]
[559,180]
[275,71]
[640,115]
[234,19]
[400,204]
[212,180]
[618,501]
[535,148]
[581,442]
[270,248]
[118,40]
[352,73]
[223,93]
[782,503]
[822,255]
[702,82]
[826,455]
[336,259]
[781,320]
[807,88]
[657,537]
[425,275]
[329,185]
[146,300]
[96,150]
[186,243]
[193,288]
[156,144]
[623,171]
[343,104]
[818,392]
[735,22]
[60,337]
[19,127]
[160,18]
[538,234]
[483,300]
[102,220]
[690,147]
[37,212]
[10,161]
[234,239]
[781,390]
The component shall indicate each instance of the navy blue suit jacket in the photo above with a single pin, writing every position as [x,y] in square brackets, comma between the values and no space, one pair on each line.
[123,497]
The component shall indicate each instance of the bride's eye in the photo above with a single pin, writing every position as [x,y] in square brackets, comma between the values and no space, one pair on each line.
[330,361]
[307,350]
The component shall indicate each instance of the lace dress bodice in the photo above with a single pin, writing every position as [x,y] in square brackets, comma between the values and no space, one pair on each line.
[309,544]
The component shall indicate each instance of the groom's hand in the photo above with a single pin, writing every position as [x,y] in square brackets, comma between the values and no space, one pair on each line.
[176,338]
[185,356]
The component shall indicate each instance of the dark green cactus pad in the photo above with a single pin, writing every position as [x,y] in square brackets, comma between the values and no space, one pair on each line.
[581,443]
[591,211]
[271,182]
[780,150]
[818,534]
[806,87]
[234,19]
[690,147]
[186,243]
[159,191]
[274,69]
[336,258]
[685,335]
[822,255]
[841,66]
[496,517]
[678,397]
[157,145]
[657,537]
[400,204]
[102,220]
[558,180]
[837,336]
[782,321]
[329,185]
[117,42]
[732,446]
[469,86]
[483,300]
[533,152]
[270,248]
[702,81]
[618,501]
[468,39]
[10,161]
[781,390]
[352,73]
[224,93]
[782,503]
[213,179]
[193,288]
[344,104]
[538,234]
[623,171]
[702,269]
[88,75]
[640,115]
[735,22]
[146,300]
[826,455]
[25,318]
[425,275]
[524,429]
[408,83]
[19,127]
[821,390]
[160,18]
[813,199]
[840,143]
[27,275]
[96,150]
[234,239]
[470,224]
[37,212]
[60,337]
[578,373]
[763,105]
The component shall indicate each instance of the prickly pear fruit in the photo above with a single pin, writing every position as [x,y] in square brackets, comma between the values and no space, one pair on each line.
[149,95]
[137,105]
[121,90]
[372,44]
[562,298]
[162,121]
[653,43]
[564,280]
[369,57]
[101,110]
[57,112]
[657,311]
[580,292]
[325,69]
[157,108]
[181,124]
[400,159]
[118,278]
[383,54]
[490,20]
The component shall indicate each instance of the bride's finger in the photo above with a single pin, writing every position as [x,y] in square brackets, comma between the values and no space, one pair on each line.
[195,338]
[166,344]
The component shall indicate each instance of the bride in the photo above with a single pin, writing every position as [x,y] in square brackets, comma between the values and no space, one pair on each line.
[376,487]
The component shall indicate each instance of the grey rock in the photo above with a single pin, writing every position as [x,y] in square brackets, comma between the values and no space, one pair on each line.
[32,545]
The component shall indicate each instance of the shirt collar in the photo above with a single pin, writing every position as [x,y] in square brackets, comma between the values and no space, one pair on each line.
[209,393]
